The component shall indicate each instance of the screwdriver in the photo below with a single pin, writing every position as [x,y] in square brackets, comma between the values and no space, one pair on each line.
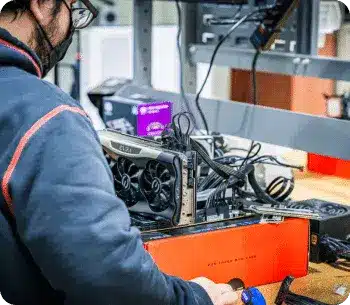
[252,296]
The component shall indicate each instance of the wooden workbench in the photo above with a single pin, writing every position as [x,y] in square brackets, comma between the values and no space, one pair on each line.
[322,278]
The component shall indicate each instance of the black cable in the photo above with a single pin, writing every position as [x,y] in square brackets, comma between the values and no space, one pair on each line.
[231,162]
[265,159]
[254,82]
[218,196]
[208,181]
[250,154]
[178,43]
[222,170]
[254,95]
[170,136]
[288,192]
[333,251]
[222,40]
[175,136]
[245,194]
[274,159]
[286,185]
[336,245]
[277,182]
[238,148]
[286,188]
[259,192]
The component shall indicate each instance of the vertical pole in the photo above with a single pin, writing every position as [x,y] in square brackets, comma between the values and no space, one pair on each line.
[142,42]
[308,27]
[188,26]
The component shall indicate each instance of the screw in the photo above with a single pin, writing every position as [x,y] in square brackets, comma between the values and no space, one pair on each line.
[193,49]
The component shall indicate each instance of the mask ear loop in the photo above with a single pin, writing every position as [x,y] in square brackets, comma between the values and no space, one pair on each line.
[43,32]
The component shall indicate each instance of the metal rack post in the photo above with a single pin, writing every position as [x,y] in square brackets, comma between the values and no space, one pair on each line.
[143,10]
[188,36]
[308,20]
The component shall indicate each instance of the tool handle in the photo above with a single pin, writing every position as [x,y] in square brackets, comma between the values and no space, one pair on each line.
[253,296]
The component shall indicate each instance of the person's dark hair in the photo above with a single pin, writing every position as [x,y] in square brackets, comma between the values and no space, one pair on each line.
[18,7]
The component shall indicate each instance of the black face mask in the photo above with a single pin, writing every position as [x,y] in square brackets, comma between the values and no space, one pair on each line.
[57,53]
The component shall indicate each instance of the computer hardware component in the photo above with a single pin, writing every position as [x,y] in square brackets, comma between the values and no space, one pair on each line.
[207,143]
[215,20]
[232,249]
[118,109]
[107,88]
[156,184]
[271,26]
[334,222]
[335,252]
[108,54]
[220,213]
[271,219]
[285,212]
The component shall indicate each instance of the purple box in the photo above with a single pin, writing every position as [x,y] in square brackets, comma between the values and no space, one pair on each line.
[153,118]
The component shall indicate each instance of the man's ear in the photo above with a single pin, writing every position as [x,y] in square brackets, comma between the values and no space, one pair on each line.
[42,10]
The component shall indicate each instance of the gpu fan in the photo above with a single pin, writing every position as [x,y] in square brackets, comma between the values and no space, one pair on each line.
[156,184]
[126,181]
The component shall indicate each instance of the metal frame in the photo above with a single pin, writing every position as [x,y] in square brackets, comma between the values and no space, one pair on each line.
[275,62]
[143,11]
[188,35]
[308,31]
[285,128]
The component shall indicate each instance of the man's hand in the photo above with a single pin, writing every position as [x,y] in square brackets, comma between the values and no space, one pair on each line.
[220,294]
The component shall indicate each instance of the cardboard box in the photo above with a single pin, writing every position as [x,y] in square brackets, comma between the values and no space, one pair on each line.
[256,253]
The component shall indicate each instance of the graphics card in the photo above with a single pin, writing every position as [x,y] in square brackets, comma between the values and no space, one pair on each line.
[157,185]
[334,221]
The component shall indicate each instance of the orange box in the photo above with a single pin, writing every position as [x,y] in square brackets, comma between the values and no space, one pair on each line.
[328,166]
[257,254]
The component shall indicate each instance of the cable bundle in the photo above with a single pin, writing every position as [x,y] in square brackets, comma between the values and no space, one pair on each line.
[280,188]
[224,176]
[218,197]
[175,137]
[335,252]
[234,173]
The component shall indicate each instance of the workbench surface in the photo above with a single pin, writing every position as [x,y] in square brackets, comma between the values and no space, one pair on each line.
[322,278]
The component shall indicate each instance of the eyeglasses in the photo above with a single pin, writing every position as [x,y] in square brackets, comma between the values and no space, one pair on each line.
[83,15]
